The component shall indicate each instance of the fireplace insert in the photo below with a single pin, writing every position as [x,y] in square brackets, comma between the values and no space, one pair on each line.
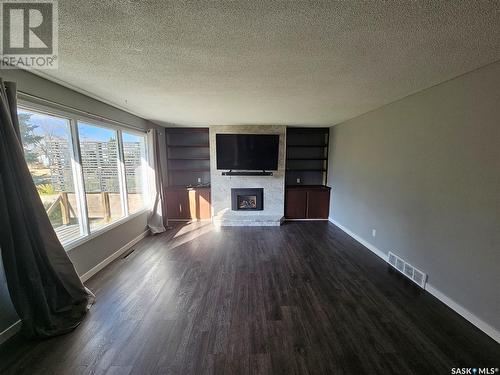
[247,199]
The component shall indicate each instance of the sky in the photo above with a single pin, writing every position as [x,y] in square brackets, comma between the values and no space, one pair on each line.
[60,127]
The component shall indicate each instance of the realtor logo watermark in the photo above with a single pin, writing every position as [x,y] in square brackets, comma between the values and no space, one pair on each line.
[29,34]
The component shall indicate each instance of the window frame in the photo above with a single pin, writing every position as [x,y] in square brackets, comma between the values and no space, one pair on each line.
[77,169]
[147,182]
[119,169]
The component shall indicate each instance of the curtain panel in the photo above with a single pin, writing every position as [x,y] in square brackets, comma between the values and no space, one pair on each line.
[44,286]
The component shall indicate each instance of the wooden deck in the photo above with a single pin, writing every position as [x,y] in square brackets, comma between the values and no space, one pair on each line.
[66,233]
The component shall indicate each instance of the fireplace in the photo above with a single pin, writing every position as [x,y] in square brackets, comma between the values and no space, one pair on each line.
[247,199]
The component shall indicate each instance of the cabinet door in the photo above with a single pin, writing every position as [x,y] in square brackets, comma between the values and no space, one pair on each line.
[205,208]
[295,204]
[318,204]
[177,204]
[199,203]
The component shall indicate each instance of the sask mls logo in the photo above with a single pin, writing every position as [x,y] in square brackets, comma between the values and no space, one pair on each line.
[474,370]
[29,34]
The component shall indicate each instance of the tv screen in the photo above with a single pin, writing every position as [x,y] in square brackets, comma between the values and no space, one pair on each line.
[255,152]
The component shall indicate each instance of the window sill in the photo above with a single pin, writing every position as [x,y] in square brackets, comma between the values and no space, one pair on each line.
[81,240]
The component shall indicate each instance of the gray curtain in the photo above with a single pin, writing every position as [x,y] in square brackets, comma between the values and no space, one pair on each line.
[45,289]
[157,220]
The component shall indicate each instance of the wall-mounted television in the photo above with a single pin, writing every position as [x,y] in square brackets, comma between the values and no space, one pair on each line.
[252,152]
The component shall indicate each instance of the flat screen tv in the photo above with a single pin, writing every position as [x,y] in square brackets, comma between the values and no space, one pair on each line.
[253,152]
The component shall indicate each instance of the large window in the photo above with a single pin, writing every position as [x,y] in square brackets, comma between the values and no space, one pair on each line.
[88,187]
[48,151]
[100,164]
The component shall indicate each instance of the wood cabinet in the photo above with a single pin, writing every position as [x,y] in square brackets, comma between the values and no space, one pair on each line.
[307,202]
[188,203]
[295,203]
[318,203]
[188,165]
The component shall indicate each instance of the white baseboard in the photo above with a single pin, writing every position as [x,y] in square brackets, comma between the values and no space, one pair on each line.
[361,240]
[462,311]
[87,275]
[10,331]
[459,309]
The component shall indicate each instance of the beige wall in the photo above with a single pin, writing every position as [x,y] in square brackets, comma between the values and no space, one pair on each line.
[425,173]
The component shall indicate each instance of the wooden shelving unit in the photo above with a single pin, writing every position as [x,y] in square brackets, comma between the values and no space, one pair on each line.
[188,169]
[188,156]
[306,195]
[306,156]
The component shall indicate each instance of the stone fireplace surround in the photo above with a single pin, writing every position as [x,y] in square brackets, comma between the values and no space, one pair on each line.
[273,186]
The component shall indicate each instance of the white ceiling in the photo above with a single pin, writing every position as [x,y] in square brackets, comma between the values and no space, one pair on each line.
[268,62]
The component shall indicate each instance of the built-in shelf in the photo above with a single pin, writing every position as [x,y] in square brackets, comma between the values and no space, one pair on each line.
[306,156]
[188,156]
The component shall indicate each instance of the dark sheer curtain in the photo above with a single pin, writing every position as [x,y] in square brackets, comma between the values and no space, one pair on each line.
[45,289]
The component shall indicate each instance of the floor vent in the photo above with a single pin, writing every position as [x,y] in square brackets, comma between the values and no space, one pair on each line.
[128,254]
[414,274]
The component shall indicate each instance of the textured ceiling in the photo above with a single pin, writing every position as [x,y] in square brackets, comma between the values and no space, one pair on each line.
[268,62]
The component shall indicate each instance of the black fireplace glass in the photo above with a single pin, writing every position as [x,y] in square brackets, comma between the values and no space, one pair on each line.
[247,199]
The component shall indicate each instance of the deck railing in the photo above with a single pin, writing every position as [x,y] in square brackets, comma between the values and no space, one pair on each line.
[67,210]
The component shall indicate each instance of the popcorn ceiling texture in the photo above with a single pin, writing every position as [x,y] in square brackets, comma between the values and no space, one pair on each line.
[274,186]
[268,62]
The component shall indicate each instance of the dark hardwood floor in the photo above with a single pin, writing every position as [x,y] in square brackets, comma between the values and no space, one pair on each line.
[303,298]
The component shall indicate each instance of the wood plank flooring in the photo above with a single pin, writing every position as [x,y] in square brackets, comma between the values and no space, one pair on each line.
[303,298]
